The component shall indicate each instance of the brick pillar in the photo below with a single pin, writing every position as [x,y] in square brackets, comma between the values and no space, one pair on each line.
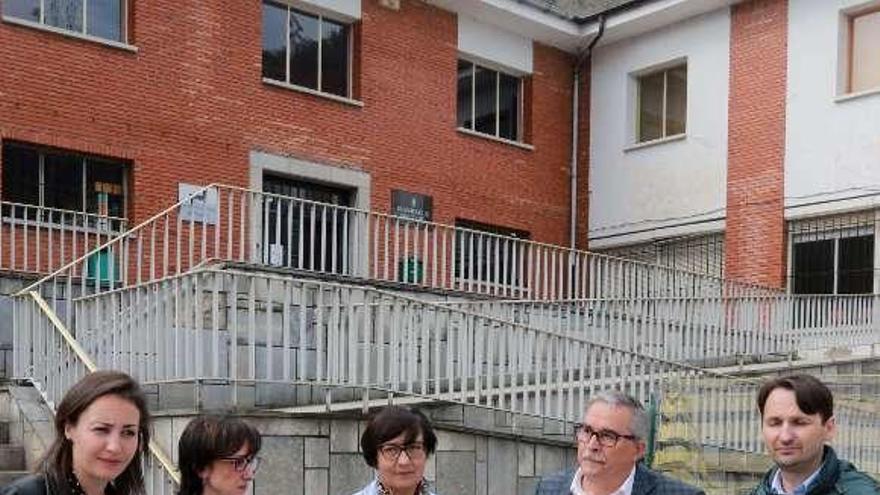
[755,238]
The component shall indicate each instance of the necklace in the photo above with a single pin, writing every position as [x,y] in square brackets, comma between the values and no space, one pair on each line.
[75,487]
[421,489]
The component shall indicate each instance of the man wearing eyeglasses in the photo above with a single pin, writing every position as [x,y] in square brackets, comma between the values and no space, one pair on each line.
[610,444]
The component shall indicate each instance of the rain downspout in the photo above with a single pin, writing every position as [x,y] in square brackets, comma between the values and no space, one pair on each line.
[581,58]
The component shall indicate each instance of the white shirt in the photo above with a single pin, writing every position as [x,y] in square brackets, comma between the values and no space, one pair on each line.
[625,489]
[801,489]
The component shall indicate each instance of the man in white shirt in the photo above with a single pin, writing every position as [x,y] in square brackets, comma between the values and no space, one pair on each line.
[611,444]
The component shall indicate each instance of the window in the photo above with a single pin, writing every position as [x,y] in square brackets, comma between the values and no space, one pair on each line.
[489,102]
[864,56]
[100,18]
[305,50]
[838,265]
[61,181]
[662,104]
[491,257]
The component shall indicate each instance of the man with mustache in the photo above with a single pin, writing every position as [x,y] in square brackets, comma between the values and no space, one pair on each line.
[610,443]
[797,419]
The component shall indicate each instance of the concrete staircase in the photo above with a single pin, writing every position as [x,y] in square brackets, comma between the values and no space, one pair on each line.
[12,455]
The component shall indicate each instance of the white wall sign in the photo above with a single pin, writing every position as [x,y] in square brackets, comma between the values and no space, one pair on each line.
[203,207]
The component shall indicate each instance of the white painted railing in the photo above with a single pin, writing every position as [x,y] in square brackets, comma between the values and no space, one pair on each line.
[55,361]
[352,343]
[703,411]
[152,308]
[706,331]
[223,223]
[38,240]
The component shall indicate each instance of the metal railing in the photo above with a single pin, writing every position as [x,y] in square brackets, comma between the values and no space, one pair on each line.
[155,308]
[695,411]
[40,240]
[224,223]
[353,342]
[57,362]
[705,331]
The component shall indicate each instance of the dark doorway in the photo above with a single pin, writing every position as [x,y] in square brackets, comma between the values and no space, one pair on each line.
[303,227]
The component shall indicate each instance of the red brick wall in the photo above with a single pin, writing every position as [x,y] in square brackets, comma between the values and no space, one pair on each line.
[755,248]
[190,105]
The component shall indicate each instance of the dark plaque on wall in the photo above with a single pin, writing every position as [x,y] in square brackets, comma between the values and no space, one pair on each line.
[410,205]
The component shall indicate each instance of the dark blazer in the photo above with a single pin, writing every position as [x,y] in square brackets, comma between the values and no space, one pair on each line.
[645,482]
[29,485]
[836,477]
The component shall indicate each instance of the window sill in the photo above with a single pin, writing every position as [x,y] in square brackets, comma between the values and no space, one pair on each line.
[856,96]
[655,142]
[309,91]
[70,34]
[490,137]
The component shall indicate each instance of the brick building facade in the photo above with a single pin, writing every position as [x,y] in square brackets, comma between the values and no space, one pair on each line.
[183,101]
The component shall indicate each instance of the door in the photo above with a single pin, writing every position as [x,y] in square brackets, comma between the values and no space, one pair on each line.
[304,226]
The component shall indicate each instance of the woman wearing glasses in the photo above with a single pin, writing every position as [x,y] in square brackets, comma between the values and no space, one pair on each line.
[397,443]
[217,455]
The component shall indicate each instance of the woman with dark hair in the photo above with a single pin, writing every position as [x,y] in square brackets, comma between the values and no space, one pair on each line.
[397,443]
[102,429]
[217,455]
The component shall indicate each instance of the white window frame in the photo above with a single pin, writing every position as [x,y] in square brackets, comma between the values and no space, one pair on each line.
[83,34]
[519,103]
[637,79]
[349,61]
[831,235]
[850,62]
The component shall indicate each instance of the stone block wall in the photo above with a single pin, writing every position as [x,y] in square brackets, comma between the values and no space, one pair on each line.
[320,454]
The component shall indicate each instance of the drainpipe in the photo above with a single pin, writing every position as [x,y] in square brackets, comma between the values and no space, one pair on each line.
[581,58]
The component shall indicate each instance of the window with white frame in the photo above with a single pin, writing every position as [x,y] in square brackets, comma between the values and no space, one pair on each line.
[489,101]
[57,181]
[864,50]
[661,104]
[833,262]
[306,50]
[99,18]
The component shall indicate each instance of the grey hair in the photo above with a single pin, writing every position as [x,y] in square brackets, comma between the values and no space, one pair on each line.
[639,423]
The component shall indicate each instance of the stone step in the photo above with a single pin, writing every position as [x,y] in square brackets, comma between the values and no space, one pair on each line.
[12,458]
[7,477]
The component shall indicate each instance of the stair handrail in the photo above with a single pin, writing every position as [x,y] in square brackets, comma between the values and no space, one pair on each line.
[565,250]
[90,365]
[26,290]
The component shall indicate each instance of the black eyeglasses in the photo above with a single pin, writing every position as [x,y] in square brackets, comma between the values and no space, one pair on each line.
[243,463]
[607,438]
[392,451]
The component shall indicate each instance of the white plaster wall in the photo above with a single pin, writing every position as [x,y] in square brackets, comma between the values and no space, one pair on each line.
[679,184]
[347,10]
[486,43]
[832,155]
